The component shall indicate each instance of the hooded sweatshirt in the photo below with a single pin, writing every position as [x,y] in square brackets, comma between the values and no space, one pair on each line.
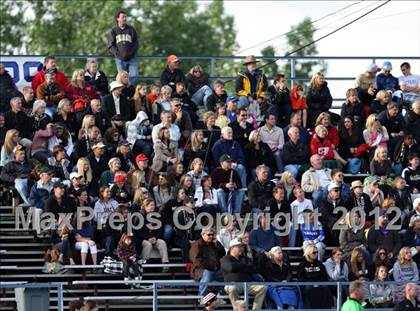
[137,130]
[123,43]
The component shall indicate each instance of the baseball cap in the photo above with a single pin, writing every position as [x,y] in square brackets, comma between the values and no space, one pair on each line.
[231,98]
[372,68]
[74,175]
[225,157]
[45,170]
[98,145]
[141,157]
[234,242]
[333,185]
[173,58]
[387,66]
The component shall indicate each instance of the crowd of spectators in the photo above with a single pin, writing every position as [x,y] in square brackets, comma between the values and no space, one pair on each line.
[130,147]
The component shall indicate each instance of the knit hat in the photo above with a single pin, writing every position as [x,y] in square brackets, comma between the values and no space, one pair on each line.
[119,178]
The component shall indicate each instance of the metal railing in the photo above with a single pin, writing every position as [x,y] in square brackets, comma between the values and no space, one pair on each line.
[189,283]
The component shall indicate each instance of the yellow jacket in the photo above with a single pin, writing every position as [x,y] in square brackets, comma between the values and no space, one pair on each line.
[243,85]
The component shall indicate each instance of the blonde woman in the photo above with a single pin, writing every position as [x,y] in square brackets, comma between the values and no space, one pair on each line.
[87,121]
[65,116]
[85,171]
[380,164]
[288,182]
[405,269]
[107,177]
[382,99]
[10,144]
[325,119]
[128,90]
[197,148]
[375,134]
[358,266]
[321,145]
[318,98]
[163,103]
[78,89]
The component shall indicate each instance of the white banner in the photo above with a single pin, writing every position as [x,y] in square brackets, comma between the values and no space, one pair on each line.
[22,68]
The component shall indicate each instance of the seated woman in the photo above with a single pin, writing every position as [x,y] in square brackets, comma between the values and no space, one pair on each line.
[405,269]
[39,118]
[163,103]
[63,240]
[166,151]
[85,242]
[111,139]
[350,139]
[206,197]
[163,192]
[228,232]
[186,183]
[79,89]
[198,85]
[197,148]
[11,143]
[380,165]
[353,107]
[151,236]
[358,266]
[321,145]
[274,267]
[261,152]
[325,119]
[167,215]
[108,176]
[84,170]
[211,132]
[288,182]
[336,267]
[352,237]
[65,116]
[381,258]
[63,138]
[96,77]
[197,172]
[378,105]
[381,295]
[313,270]
[375,134]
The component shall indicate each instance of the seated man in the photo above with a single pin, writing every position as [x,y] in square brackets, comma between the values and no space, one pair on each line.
[410,301]
[166,118]
[338,177]
[260,190]
[316,178]
[365,84]
[264,237]
[86,141]
[116,102]
[296,120]
[227,145]
[50,91]
[226,181]
[205,255]
[394,124]
[237,267]
[241,128]
[412,120]
[172,74]
[295,152]
[219,96]
[250,83]
[17,172]
[385,80]
[181,118]
[297,207]
[409,84]
[49,63]
[312,233]
[273,136]
[102,120]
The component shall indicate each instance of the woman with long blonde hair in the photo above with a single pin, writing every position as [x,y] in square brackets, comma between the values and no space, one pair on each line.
[405,269]
[85,171]
[375,134]
[358,266]
[78,89]
[288,182]
[318,98]
[129,89]
[11,141]
[140,99]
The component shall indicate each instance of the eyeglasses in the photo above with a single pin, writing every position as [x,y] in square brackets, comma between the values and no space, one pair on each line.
[314,253]
[244,115]
[381,253]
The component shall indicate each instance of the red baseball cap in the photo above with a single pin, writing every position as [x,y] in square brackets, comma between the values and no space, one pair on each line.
[173,58]
[141,157]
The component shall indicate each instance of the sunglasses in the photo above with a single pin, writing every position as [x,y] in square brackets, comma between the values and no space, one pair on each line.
[314,253]
[382,254]
[210,234]
[244,115]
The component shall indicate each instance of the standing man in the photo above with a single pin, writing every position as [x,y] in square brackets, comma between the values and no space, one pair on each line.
[123,43]
[251,83]
[354,302]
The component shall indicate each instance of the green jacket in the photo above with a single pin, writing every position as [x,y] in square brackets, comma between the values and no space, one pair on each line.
[352,305]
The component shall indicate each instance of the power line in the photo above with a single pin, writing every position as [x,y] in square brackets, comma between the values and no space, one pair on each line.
[327,35]
[286,33]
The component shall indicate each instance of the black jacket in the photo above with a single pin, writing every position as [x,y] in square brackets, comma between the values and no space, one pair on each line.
[311,271]
[391,241]
[406,305]
[214,99]
[262,156]
[102,120]
[19,121]
[412,121]
[347,141]
[241,135]
[123,43]
[70,123]
[168,77]
[97,169]
[15,169]
[195,84]
[260,193]
[279,98]
[126,110]
[67,206]
[393,125]
[237,270]
[319,100]
[100,83]
[295,153]
[271,271]
[356,111]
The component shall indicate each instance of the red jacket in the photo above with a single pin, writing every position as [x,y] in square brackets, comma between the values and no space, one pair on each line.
[298,103]
[332,135]
[88,92]
[324,148]
[40,78]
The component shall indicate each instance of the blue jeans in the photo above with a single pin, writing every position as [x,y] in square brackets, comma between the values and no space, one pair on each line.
[131,66]
[209,276]
[200,97]
[168,232]
[240,169]
[238,199]
[21,185]
[278,157]
[353,165]
[51,110]
[397,168]
[243,101]
[316,197]
[293,168]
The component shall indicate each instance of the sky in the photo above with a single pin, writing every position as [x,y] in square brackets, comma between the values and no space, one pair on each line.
[392,30]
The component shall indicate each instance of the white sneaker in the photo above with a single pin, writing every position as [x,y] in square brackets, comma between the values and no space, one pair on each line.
[126,279]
